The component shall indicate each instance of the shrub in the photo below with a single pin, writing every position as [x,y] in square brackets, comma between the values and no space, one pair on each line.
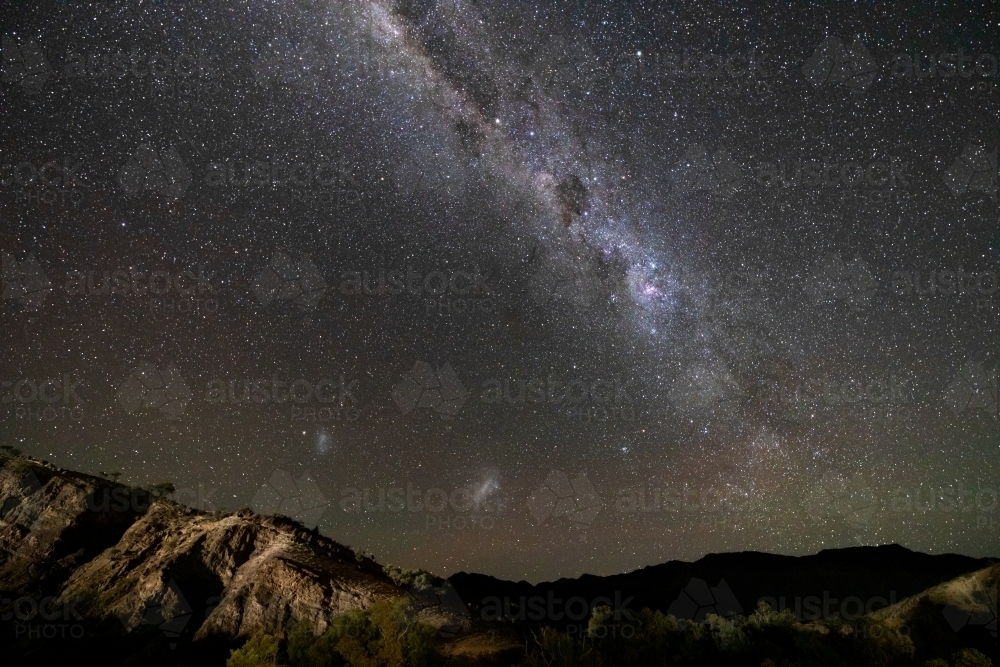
[557,649]
[418,579]
[259,651]
[386,635]
[882,641]
[970,657]
[163,489]
[727,635]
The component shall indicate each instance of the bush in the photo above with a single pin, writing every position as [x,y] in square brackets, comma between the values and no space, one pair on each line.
[727,635]
[163,489]
[882,642]
[764,617]
[418,579]
[970,657]
[386,635]
[259,651]
[557,649]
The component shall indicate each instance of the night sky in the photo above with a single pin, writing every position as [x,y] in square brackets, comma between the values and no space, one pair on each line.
[525,288]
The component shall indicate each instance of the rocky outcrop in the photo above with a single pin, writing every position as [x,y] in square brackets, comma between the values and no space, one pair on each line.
[112,552]
[241,573]
[52,521]
[125,561]
[960,613]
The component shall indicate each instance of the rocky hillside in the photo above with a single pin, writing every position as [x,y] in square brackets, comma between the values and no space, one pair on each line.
[109,552]
[100,568]
[46,528]
[958,613]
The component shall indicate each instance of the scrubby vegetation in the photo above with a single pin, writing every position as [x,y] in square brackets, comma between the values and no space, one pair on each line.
[260,651]
[414,579]
[386,635]
[389,635]
[765,638]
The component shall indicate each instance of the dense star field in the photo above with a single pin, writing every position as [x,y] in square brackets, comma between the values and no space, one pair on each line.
[524,288]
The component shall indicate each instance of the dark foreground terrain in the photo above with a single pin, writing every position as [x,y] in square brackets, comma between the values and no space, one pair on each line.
[92,569]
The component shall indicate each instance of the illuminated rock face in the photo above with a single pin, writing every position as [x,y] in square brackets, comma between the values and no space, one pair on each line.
[107,551]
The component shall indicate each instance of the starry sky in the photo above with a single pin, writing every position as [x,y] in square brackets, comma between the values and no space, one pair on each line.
[525,288]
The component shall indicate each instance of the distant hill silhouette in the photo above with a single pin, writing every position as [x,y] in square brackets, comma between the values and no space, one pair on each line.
[874,576]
